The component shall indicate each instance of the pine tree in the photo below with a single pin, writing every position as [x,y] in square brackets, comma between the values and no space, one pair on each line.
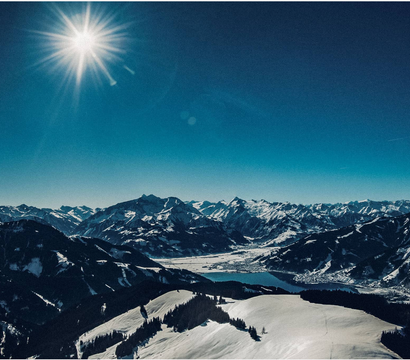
[143,311]
[253,333]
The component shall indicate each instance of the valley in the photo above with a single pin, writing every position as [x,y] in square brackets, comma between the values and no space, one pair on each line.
[135,261]
[204,180]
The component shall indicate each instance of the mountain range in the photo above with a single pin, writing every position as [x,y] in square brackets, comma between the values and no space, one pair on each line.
[65,219]
[103,253]
[169,227]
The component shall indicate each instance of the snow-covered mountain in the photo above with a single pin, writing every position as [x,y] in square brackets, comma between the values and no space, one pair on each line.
[261,220]
[355,212]
[171,227]
[378,250]
[160,227]
[43,272]
[65,219]
[283,223]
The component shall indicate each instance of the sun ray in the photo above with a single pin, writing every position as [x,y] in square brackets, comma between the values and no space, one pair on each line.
[89,41]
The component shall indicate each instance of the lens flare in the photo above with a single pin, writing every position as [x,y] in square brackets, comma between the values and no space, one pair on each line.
[84,42]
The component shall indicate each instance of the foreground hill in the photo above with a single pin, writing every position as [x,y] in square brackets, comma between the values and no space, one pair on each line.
[293,329]
[69,334]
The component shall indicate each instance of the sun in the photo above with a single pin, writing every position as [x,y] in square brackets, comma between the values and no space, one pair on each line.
[84,42]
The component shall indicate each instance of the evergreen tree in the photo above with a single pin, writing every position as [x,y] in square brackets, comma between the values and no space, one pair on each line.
[143,312]
[143,333]
[253,333]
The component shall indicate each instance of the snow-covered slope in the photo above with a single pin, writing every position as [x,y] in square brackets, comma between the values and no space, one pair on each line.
[294,329]
[355,212]
[132,319]
[376,250]
[283,223]
[65,219]
[264,221]
[170,227]
[39,262]
[159,227]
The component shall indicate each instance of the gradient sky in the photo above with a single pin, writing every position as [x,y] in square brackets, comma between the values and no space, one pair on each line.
[299,102]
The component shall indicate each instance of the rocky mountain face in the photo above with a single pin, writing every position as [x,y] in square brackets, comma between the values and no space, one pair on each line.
[264,221]
[283,223]
[43,272]
[160,227]
[65,219]
[171,227]
[378,250]
[354,212]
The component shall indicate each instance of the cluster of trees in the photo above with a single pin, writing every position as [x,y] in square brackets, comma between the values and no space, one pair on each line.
[101,343]
[238,323]
[234,290]
[144,332]
[195,312]
[398,341]
[219,300]
[372,304]
[199,309]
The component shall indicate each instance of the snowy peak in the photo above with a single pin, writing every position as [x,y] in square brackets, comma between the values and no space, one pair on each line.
[65,219]
[168,226]
[264,221]
[79,213]
[359,211]
[159,227]
[283,223]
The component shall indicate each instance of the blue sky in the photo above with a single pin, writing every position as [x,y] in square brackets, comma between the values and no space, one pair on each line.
[299,102]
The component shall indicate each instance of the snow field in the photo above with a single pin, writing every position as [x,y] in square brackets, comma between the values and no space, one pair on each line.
[240,260]
[295,329]
[128,322]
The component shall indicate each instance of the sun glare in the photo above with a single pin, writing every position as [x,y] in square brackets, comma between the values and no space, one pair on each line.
[83,42]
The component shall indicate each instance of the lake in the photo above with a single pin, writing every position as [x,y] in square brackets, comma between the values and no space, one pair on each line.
[267,279]
[262,278]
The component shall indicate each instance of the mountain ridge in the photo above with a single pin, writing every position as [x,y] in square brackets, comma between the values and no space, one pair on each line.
[172,227]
